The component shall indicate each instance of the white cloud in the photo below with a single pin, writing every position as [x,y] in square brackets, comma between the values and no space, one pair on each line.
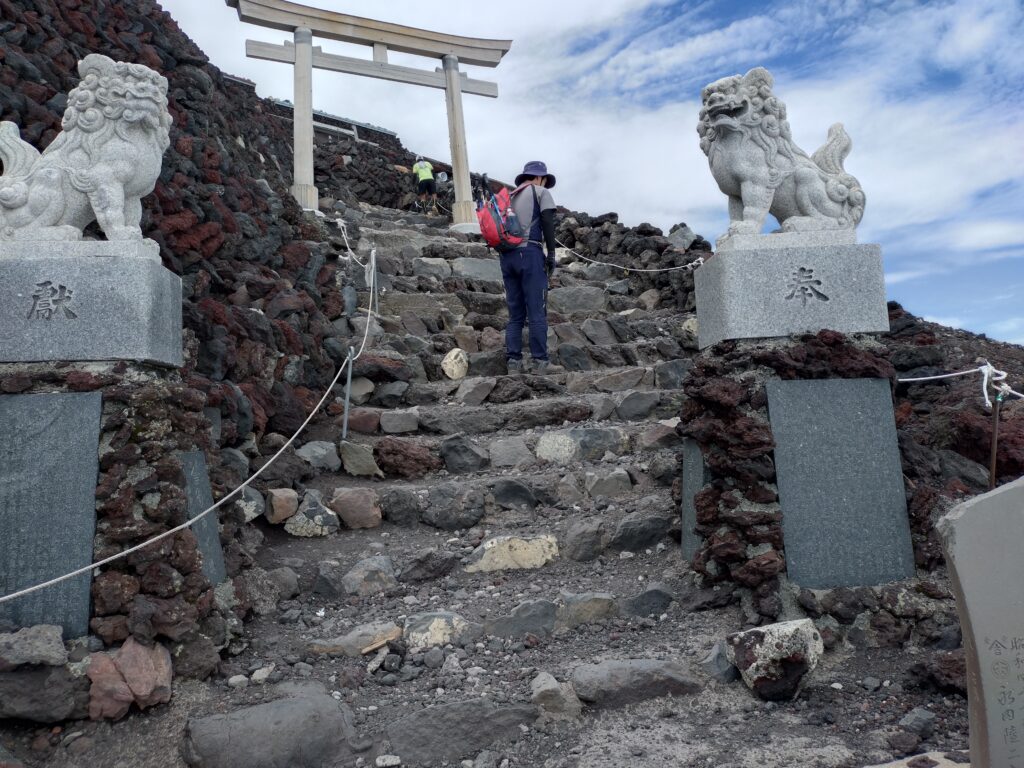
[951,321]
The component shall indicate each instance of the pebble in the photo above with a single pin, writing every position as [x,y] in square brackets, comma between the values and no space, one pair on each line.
[387,761]
[260,675]
[836,686]
[238,681]
[871,684]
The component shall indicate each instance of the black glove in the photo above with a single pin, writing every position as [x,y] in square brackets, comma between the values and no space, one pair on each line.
[549,264]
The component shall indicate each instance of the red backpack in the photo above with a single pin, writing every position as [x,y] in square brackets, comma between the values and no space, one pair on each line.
[499,224]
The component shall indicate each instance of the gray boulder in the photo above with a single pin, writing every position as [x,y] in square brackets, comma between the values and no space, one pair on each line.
[321,455]
[653,601]
[627,681]
[453,731]
[370,577]
[576,298]
[460,454]
[585,540]
[308,730]
[41,644]
[641,529]
[43,694]
[533,617]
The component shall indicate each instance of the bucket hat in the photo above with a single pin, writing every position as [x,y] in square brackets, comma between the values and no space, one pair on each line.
[536,168]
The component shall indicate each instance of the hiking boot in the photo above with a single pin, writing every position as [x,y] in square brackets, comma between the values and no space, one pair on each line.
[544,367]
[515,365]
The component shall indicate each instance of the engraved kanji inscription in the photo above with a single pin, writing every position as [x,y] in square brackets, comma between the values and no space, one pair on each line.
[803,285]
[50,301]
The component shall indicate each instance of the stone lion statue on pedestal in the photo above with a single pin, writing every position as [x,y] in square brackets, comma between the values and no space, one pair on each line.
[107,158]
[744,132]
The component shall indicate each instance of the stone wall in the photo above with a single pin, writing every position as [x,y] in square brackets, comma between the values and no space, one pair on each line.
[158,594]
[603,238]
[944,432]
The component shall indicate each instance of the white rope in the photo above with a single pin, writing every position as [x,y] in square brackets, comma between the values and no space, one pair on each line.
[1005,389]
[990,377]
[691,266]
[106,561]
[344,233]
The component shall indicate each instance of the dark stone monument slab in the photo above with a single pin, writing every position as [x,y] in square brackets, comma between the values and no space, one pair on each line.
[844,511]
[695,476]
[49,446]
[983,538]
[200,497]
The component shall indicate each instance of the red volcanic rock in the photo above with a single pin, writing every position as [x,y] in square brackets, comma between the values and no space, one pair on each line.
[146,670]
[113,592]
[972,437]
[110,629]
[405,458]
[378,369]
[760,568]
[721,392]
[110,698]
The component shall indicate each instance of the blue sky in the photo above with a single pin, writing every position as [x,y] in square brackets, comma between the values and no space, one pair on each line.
[607,93]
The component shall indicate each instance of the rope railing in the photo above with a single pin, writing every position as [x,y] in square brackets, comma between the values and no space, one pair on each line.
[690,267]
[991,377]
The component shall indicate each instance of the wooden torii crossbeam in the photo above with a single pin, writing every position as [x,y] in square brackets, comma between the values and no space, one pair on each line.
[304,22]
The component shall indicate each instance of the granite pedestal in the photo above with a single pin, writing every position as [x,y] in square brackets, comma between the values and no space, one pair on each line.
[207,530]
[88,300]
[983,538]
[844,511]
[782,291]
[695,476]
[48,472]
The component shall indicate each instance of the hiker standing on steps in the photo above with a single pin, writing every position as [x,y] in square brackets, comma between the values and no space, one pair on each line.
[526,270]
[425,184]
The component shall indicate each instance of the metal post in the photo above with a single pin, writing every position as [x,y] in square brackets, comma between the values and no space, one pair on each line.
[995,441]
[350,360]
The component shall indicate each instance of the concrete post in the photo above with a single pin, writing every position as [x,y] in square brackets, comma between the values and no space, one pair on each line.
[303,189]
[463,214]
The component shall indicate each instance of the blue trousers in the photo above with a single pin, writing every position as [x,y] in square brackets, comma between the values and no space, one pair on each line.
[525,285]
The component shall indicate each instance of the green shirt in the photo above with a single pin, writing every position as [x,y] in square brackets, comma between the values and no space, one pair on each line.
[424,170]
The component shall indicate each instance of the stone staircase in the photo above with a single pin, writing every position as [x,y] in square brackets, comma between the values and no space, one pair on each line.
[603,428]
[506,526]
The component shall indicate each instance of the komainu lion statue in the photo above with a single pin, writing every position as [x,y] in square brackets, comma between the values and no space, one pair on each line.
[744,132]
[107,157]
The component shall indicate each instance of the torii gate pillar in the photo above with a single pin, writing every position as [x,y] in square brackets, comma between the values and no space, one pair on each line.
[303,188]
[462,212]
[304,22]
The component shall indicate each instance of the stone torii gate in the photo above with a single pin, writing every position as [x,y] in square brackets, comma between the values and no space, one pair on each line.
[304,22]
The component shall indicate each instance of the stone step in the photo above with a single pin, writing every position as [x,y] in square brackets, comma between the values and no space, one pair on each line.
[388,379]
[464,414]
[467,500]
[559,448]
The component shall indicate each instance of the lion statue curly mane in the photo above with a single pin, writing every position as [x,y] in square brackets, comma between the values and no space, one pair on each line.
[115,132]
[744,133]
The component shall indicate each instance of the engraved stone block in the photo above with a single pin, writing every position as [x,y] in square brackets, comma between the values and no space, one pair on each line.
[749,294]
[207,530]
[695,475]
[48,470]
[982,538]
[844,511]
[88,300]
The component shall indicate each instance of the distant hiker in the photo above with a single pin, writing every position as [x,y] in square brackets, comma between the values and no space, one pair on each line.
[526,270]
[425,184]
